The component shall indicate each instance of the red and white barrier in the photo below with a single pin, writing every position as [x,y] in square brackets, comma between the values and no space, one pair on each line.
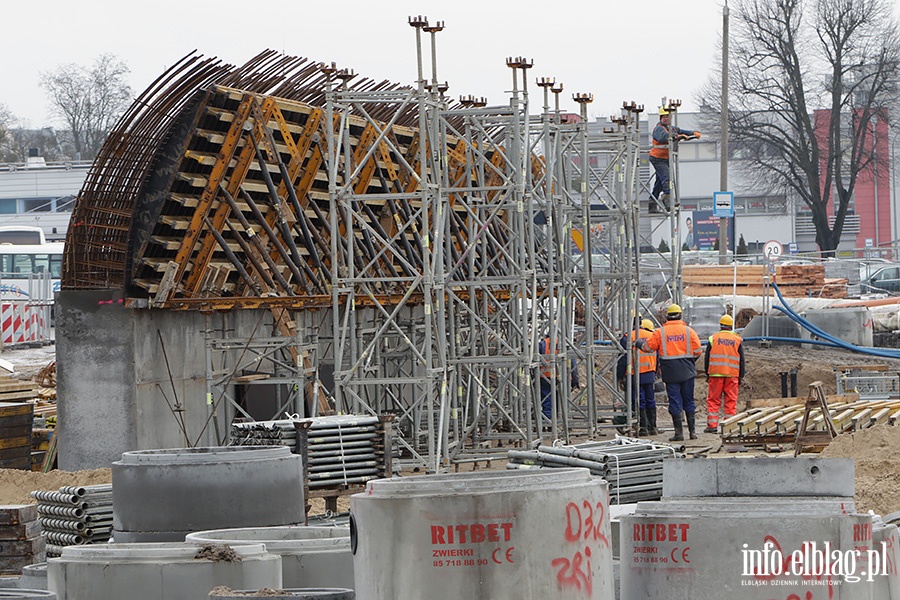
[24,322]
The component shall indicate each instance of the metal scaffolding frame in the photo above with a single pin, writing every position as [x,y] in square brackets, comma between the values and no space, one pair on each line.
[494,213]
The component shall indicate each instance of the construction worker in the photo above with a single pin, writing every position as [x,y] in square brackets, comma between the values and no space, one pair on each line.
[547,381]
[645,407]
[724,364]
[647,367]
[678,347]
[659,157]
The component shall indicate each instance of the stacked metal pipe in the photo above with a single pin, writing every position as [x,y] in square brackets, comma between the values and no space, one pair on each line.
[343,450]
[340,450]
[633,467]
[264,433]
[75,515]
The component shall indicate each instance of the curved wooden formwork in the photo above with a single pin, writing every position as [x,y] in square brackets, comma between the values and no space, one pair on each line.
[213,190]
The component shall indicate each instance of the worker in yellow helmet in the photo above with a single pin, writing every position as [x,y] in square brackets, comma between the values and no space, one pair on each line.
[724,364]
[678,347]
[659,157]
[643,401]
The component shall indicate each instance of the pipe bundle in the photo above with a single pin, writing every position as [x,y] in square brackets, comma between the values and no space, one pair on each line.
[75,515]
[632,467]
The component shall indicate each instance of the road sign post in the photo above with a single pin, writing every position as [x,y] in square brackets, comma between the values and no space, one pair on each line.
[773,250]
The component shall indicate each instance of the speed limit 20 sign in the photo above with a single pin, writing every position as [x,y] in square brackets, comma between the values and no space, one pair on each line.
[773,250]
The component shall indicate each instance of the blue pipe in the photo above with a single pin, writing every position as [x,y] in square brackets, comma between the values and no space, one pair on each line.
[832,340]
[788,339]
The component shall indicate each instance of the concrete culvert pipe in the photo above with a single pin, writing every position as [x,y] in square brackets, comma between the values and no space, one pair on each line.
[156,571]
[311,557]
[287,594]
[747,528]
[34,577]
[500,535]
[23,594]
[162,495]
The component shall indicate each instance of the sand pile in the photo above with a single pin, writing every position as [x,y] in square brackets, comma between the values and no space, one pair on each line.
[877,454]
[15,484]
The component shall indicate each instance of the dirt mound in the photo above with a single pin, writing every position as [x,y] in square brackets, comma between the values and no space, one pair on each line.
[877,454]
[15,484]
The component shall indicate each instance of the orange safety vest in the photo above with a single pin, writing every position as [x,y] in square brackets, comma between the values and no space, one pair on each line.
[676,341]
[724,354]
[547,371]
[659,149]
[646,359]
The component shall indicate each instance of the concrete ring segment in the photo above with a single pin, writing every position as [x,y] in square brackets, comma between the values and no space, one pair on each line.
[162,495]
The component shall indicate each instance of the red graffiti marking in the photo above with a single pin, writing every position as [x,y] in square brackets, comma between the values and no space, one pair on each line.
[569,574]
[585,524]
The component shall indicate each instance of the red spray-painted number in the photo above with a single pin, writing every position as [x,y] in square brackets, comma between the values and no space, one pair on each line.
[585,524]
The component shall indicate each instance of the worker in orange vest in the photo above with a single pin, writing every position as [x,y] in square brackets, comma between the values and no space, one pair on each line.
[547,381]
[647,368]
[678,347]
[659,157]
[724,363]
[645,407]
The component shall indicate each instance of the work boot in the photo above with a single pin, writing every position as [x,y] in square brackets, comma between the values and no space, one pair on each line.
[711,429]
[643,431]
[651,421]
[679,429]
[664,200]
[690,421]
[652,206]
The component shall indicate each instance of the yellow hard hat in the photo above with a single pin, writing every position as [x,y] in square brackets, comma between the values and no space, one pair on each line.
[663,112]
[726,321]
[674,310]
[647,324]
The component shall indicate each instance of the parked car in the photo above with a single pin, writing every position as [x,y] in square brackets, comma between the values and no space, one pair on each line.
[868,266]
[886,279]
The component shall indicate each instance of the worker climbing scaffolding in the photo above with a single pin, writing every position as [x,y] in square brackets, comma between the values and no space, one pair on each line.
[661,140]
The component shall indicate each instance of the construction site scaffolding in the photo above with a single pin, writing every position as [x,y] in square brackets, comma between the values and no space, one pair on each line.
[526,230]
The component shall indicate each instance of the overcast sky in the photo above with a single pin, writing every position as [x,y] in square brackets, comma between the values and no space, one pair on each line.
[617,51]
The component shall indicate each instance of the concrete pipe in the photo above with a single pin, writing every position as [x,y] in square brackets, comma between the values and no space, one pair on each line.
[154,571]
[10,582]
[886,546]
[288,594]
[23,594]
[747,529]
[34,577]
[162,495]
[311,557]
[504,535]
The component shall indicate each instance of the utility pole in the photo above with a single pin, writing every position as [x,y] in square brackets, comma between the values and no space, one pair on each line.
[723,159]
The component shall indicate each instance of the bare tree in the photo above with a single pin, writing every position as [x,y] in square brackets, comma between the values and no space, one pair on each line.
[89,100]
[7,119]
[809,82]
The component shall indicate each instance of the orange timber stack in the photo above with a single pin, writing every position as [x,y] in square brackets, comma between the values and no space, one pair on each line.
[794,281]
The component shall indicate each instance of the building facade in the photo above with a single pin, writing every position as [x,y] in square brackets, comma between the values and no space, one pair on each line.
[870,229]
[40,194]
